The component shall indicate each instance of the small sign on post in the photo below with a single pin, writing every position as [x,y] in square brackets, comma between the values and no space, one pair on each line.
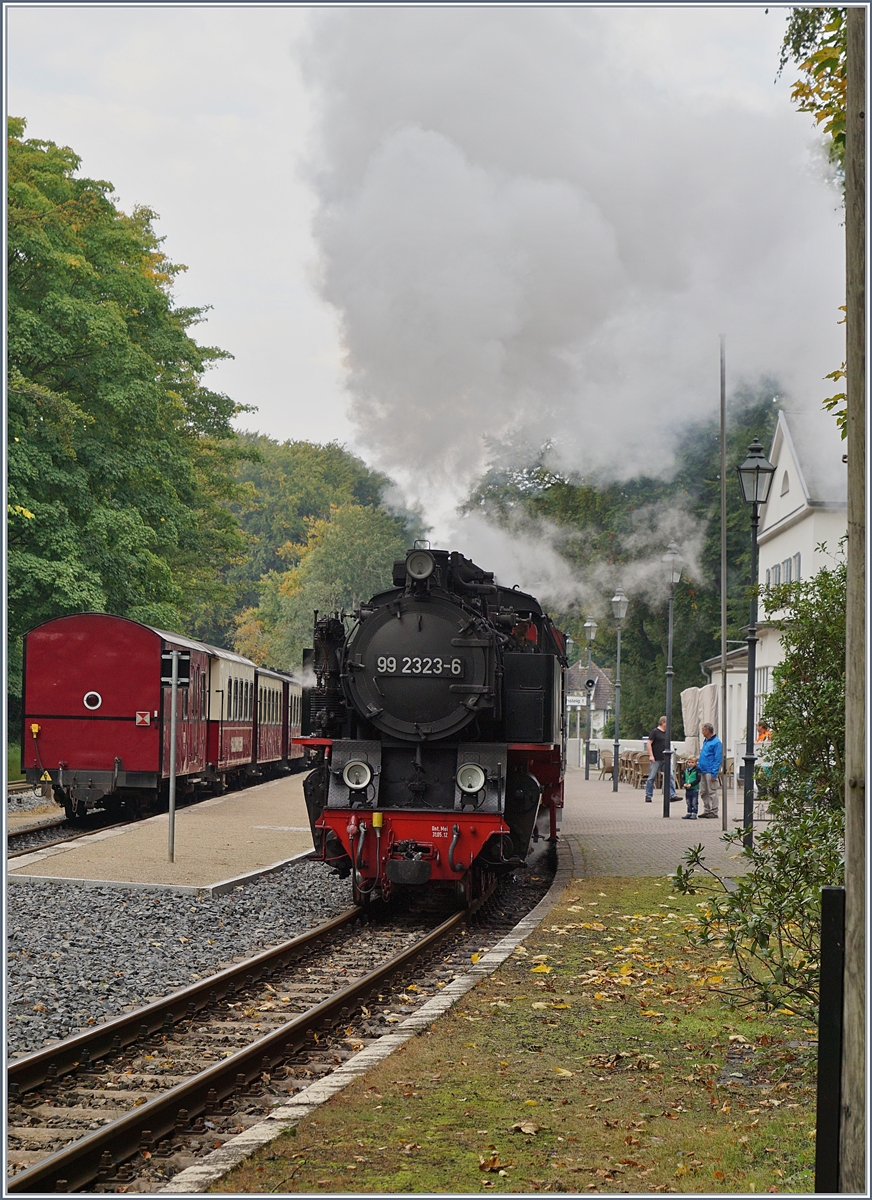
[174,656]
[182,659]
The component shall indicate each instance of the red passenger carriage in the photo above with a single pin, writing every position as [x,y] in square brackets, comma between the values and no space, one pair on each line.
[97,716]
[97,708]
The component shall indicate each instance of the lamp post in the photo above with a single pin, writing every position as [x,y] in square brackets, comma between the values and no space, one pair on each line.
[673,562]
[755,477]
[590,634]
[620,604]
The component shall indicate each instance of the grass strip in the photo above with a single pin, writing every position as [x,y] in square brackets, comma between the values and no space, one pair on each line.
[598,1058]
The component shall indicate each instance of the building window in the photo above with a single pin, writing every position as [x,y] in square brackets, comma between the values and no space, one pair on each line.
[761,690]
[776,575]
[785,484]
[786,570]
[796,574]
[768,577]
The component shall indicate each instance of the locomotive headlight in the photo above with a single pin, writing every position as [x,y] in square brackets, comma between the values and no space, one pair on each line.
[356,775]
[420,564]
[471,778]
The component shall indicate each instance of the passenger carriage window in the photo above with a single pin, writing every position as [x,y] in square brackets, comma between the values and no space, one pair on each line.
[247,685]
[234,711]
[184,704]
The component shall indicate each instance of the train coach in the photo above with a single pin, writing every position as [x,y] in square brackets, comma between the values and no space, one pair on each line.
[439,716]
[97,707]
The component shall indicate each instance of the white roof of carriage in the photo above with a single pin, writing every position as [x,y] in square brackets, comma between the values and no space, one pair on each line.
[179,639]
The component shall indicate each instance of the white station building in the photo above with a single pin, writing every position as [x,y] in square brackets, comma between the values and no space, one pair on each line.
[801,527]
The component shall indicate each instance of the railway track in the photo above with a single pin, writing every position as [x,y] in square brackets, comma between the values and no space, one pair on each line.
[145,1095]
[40,836]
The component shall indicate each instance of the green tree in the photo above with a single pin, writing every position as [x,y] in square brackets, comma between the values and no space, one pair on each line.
[816,40]
[806,709]
[769,917]
[347,558]
[120,456]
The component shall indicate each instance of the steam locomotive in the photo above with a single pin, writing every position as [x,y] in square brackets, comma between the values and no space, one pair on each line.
[438,717]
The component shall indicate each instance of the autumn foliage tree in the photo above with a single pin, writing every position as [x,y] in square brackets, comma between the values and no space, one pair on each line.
[346,557]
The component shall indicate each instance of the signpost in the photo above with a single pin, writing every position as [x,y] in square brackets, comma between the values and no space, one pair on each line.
[577,702]
[180,672]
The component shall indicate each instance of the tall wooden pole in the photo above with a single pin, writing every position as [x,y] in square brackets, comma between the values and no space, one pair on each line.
[722,732]
[852,1173]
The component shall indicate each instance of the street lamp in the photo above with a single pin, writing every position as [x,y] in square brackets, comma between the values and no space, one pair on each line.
[620,604]
[755,477]
[673,562]
[590,634]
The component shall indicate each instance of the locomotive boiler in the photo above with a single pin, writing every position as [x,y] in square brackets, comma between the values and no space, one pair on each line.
[440,717]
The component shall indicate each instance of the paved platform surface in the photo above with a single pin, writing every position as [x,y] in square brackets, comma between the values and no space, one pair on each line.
[221,841]
[216,841]
[617,833]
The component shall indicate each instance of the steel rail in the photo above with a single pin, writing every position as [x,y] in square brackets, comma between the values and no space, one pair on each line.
[74,837]
[80,1164]
[21,830]
[25,1074]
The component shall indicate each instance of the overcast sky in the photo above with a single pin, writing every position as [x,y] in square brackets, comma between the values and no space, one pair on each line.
[421,228]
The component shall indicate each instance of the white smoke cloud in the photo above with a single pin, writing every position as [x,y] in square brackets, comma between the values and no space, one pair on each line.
[534,225]
[540,556]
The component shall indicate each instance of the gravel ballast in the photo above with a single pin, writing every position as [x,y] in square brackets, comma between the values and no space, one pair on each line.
[77,956]
[19,802]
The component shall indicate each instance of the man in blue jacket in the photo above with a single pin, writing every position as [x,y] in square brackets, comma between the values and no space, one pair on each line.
[710,758]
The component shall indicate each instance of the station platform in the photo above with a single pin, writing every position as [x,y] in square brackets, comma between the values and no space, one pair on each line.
[618,834]
[219,843]
[222,842]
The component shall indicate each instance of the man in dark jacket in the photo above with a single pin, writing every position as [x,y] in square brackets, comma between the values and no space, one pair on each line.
[657,746]
[710,758]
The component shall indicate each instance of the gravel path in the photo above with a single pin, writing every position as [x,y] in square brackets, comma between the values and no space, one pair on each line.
[79,955]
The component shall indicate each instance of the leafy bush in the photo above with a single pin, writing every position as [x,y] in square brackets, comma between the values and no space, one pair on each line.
[806,710]
[769,919]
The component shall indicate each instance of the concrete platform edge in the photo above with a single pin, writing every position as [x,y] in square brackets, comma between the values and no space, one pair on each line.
[205,892]
[197,1179]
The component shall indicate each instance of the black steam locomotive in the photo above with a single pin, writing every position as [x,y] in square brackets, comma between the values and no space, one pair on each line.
[439,715]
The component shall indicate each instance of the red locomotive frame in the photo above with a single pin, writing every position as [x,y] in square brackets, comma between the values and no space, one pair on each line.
[450,843]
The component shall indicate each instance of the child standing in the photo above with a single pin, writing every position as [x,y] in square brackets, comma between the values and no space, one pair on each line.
[691,789]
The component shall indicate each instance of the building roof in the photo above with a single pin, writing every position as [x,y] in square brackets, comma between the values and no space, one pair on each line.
[603,693]
[808,447]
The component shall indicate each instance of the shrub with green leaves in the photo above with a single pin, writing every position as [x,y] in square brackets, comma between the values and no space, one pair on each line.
[769,919]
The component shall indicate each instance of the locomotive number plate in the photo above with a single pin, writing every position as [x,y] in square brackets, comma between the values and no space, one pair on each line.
[388,665]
